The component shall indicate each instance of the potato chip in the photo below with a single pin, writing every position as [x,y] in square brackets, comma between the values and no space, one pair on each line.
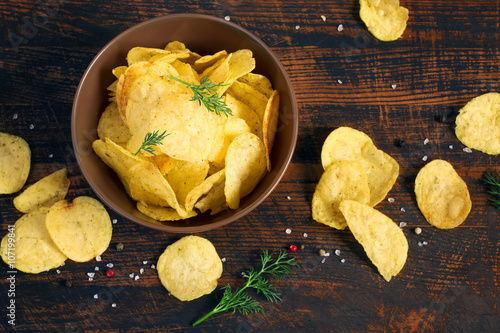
[81,229]
[15,163]
[233,127]
[385,19]
[189,268]
[44,192]
[31,249]
[270,123]
[205,187]
[160,213]
[215,200]
[207,61]
[258,82]
[177,46]
[442,196]
[478,124]
[234,66]
[112,126]
[382,170]
[245,166]
[383,241]
[243,111]
[250,96]
[341,180]
[138,54]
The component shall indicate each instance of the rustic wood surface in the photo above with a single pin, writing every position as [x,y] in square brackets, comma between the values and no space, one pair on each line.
[405,90]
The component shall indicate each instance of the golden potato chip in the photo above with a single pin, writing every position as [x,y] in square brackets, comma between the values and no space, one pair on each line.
[204,188]
[15,163]
[243,111]
[341,180]
[207,61]
[81,229]
[245,166]
[112,126]
[478,124]
[385,19]
[160,213]
[383,241]
[234,66]
[442,196]
[118,71]
[382,170]
[177,46]
[256,100]
[44,192]
[185,72]
[258,82]
[270,123]
[233,127]
[215,200]
[31,250]
[189,268]
[138,54]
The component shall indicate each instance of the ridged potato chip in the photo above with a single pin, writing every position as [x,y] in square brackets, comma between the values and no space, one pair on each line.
[348,144]
[478,124]
[44,192]
[341,180]
[383,241]
[15,163]
[189,268]
[442,196]
[81,230]
[32,251]
[245,166]
[385,19]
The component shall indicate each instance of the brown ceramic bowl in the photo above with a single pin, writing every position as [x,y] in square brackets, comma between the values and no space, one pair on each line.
[201,34]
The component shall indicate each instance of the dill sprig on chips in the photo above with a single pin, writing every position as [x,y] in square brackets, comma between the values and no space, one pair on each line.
[150,141]
[206,93]
[238,300]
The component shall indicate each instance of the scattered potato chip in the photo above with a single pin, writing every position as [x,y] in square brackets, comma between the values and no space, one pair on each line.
[478,125]
[346,143]
[81,229]
[189,268]
[44,192]
[31,249]
[383,241]
[385,19]
[442,196]
[245,166]
[15,163]
[341,180]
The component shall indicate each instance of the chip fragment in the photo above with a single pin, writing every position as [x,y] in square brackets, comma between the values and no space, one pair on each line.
[15,163]
[385,19]
[442,196]
[189,268]
[383,241]
[478,124]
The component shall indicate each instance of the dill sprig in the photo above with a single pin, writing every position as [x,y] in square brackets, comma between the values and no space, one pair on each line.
[240,301]
[491,179]
[151,140]
[206,93]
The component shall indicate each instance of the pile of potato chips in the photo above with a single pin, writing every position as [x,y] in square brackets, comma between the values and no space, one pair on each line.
[385,19]
[189,268]
[207,161]
[358,176]
[52,229]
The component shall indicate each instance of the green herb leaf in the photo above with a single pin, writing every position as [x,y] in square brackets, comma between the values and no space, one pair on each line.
[151,140]
[491,179]
[206,93]
[240,301]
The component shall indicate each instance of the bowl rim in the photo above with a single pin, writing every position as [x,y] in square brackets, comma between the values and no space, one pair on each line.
[186,228]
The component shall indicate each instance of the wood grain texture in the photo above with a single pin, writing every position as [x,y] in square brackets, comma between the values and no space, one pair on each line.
[449,53]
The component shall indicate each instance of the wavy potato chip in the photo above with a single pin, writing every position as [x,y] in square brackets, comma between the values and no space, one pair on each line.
[235,65]
[215,200]
[112,126]
[383,241]
[442,196]
[258,82]
[31,249]
[204,188]
[385,19]
[245,166]
[349,144]
[341,180]
[189,268]
[81,229]
[44,192]
[478,124]
[15,163]
[207,61]
[256,100]
[160,213]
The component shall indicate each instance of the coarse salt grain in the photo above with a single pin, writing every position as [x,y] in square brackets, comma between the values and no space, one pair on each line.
[337,252]
[418,230]
[141,270]
[323,17]
[110,265]
[32,126]
[98,258]
[339,81]
[342,260]
[425,243]
[467,150]
[51,155]
[113,305]
[136,277]
[58,271]
[426,141]
[96,296]
[323,260]
[91,274]
[91,279]
[223,260]
[288,231]
[15,116]
[393,86]
[144,262]
[403,209]
[153,266]
[227,18]
[390,199]
[450,146]
[62,264]
[305,234]
[420,244]
[96,268]
[288,197]
[327,254]
[131,275]
[340,27]
[297,27]
[424,158]
[115,221]
[402,224]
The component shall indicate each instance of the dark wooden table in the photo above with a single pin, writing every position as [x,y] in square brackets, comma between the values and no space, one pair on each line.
[405,90]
